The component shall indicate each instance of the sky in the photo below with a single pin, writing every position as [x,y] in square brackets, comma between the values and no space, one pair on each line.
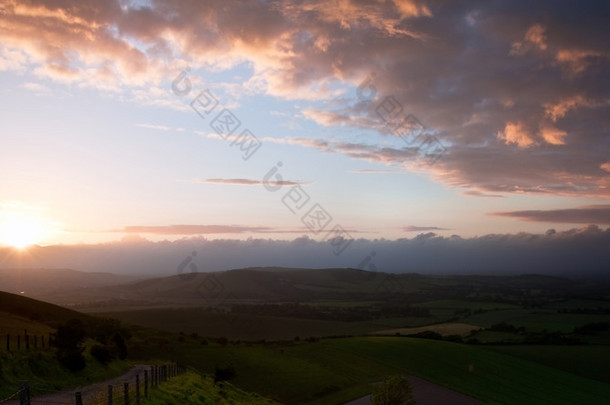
[335,121]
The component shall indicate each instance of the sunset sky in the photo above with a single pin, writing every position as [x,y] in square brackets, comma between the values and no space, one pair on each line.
[390,119]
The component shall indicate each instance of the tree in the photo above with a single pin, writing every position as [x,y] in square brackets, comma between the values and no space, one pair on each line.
[68,340]
[120,346]
[395,390]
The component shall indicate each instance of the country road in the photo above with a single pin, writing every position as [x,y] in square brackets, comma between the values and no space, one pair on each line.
[91,393]
[428,393]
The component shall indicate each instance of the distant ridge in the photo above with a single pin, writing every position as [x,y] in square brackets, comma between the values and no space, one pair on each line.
[290,284]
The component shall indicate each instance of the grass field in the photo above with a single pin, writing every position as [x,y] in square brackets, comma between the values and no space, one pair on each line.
[343,369]
[587,361]
[536,320]
[13,324]
[445,329]
[248,327]
[464,304]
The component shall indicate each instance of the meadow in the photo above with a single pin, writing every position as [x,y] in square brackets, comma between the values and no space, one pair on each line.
[335,370]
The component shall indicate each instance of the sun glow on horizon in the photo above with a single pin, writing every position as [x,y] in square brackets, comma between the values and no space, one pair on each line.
[20,231]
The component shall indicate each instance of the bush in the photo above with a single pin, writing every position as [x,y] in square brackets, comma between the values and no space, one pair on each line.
[72,359]
[224,373]
[120,346]
[395,390]
[102,354]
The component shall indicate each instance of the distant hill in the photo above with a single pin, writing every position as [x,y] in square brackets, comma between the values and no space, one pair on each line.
[56,285]
[14,306]
[281,284]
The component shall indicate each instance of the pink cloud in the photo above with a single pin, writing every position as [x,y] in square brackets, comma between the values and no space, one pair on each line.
[590,214]
[451,66]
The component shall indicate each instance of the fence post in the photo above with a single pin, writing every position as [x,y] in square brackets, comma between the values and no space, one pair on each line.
[78,397]
[145,383]
[36,342]
[110,395]
[42,342]
[126,392]
[137,389]
[8,342]
[27,340]
[18,342]
[24,393]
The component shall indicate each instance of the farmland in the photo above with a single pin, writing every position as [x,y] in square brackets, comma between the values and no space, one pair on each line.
[325,336]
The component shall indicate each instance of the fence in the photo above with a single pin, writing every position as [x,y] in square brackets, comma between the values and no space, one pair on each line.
[26,341]
[129,390]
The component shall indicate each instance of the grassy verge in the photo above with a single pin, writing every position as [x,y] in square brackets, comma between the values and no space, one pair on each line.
[44,373]
[191,388]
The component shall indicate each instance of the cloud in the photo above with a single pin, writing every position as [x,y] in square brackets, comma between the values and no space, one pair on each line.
[250,182]
[36,87]
[553,136]
[374,171]
[515,90]
[194,229]
[474,193]
[154,126]
[590,214]
[605,166]
[413,228]
[577,253]
[535,36]
[518,134]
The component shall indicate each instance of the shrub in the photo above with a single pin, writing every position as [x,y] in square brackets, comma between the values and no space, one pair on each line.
[395,390]
[102,354]
[224,373]
[72,359]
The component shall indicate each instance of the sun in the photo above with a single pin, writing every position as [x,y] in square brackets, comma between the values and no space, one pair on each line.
[21,231]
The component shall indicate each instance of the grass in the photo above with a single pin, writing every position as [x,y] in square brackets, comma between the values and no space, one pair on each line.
[343,369]
[43,372]
[444,329]
[248,327]
[587,361]
[15,324]
[192,388]
[536,320]
[36,310]
[464,304]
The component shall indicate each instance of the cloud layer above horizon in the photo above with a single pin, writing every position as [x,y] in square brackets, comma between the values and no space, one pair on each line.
[516,91]
[578,252]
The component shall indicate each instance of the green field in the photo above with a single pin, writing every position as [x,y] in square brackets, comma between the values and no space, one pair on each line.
[587,361]
[307,372]
[246,327]
[536,320]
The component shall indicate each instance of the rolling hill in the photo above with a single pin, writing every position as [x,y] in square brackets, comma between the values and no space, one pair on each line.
[56,285]
[281,284]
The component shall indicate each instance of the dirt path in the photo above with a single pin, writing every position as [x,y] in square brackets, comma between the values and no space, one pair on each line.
[91,393]
[428,393]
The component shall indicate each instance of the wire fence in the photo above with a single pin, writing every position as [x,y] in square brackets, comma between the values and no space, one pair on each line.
[11,397]
[132,389]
